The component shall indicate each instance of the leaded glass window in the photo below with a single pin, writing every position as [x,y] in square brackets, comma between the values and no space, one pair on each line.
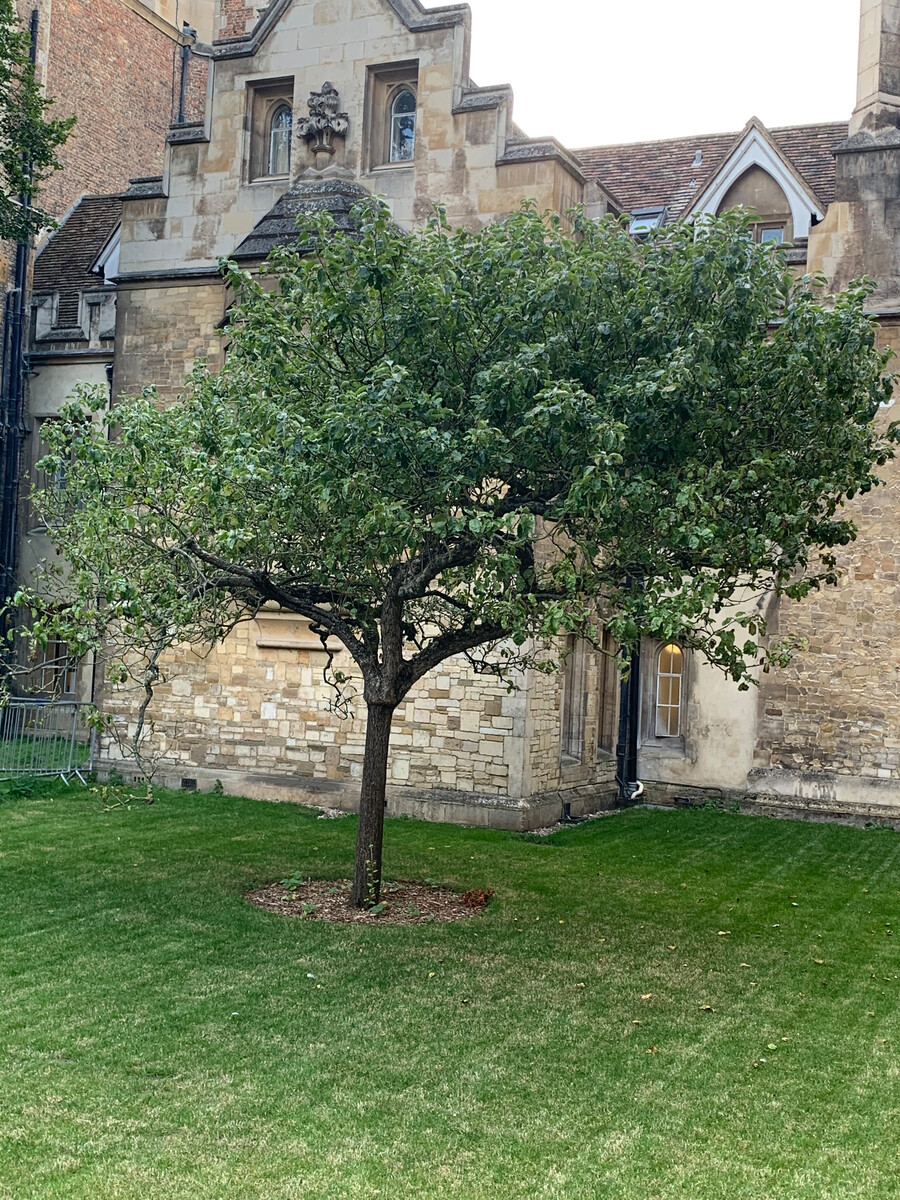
[280,140]
[403,127]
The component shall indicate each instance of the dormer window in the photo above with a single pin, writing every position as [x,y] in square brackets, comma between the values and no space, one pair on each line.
[645,219]
[403,127]
[280,130]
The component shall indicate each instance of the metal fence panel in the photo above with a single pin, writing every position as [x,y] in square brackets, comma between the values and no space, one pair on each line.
[40,737]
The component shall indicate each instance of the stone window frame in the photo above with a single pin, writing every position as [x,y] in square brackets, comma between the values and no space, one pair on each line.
[573,703]
[384,84]
[650,655]
[277,115]
[762,227]
[265,98]
[608,696]
[58,671]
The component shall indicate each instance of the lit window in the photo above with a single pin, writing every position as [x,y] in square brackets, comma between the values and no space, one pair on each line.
[669,680]
[403,127]
[645,219]
[280,140]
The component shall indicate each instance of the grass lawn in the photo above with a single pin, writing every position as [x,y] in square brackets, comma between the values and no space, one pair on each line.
[595,1034]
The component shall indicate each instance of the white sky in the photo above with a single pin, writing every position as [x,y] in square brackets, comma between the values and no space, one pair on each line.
[593,72]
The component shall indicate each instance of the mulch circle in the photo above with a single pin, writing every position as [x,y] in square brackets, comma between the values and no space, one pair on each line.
[405,903]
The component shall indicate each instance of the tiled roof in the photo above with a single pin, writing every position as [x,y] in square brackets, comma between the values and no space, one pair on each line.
[661,173]
[63,264]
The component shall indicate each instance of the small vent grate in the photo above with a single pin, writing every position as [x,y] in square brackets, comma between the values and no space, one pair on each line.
[189,785]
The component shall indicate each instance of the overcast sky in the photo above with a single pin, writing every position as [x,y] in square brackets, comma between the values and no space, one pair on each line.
[593,72]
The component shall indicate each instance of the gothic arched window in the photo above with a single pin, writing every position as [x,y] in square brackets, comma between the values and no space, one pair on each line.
[280,129]
[669,688]
[403,127]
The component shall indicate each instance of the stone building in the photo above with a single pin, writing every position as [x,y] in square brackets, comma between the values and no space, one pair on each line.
[389,82]
[126,69]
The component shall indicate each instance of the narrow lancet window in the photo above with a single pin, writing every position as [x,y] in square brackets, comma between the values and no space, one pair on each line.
[403,127]
[280,140]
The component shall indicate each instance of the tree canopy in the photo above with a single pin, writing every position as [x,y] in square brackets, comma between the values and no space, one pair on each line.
[465,442]
[29,139]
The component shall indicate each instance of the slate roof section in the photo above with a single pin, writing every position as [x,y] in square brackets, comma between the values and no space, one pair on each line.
[63,264]
[309,197]
[660,173]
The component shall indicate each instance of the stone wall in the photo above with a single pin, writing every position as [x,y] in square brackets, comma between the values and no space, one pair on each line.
[837,707]
[256,707]
[469,155]
[161,332]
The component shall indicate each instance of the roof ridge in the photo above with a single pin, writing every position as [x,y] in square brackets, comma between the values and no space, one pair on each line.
[693,137]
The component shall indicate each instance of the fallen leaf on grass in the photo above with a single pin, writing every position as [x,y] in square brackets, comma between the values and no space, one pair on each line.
[819,961]
[653,1050]
[647,996]
[706,1008]
[745,964]
[724,933]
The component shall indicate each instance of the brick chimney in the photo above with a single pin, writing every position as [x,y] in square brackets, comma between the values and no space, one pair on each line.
[878,79]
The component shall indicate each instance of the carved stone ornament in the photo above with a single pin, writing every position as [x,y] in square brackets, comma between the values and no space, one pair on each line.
[324,122]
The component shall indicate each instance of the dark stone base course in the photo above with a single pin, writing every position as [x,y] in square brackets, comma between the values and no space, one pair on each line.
[539,811]
[434,804]
[770,804]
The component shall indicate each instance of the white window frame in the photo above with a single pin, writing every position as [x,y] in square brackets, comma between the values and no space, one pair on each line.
[658,706]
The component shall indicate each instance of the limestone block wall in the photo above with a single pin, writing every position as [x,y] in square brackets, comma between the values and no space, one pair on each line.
[256,709]
[161,332]
[547,769]
[836,709]
[860,233]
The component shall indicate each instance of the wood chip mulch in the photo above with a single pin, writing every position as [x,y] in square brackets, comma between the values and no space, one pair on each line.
[405,903]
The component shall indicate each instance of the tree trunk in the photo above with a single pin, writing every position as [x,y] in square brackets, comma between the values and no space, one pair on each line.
[370,835]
